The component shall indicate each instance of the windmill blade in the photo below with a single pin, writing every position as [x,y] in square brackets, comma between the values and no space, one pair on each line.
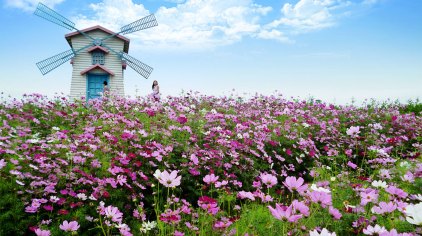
[53,62]
[140,67]
[143,23]
[49,14]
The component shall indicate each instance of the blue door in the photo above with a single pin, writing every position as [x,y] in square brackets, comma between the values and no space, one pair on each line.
[95,85]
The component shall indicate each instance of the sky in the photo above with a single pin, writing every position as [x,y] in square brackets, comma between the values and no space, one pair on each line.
[338,51]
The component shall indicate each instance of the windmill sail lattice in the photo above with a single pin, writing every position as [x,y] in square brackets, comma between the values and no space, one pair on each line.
[49,14]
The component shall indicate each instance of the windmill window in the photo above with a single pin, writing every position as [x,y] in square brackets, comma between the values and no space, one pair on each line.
[98,57]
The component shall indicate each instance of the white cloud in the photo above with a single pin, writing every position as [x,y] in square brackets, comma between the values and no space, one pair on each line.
[30,5]
[310,15]
[193,24]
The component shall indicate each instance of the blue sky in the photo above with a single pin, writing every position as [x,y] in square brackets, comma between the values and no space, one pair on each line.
[333,50]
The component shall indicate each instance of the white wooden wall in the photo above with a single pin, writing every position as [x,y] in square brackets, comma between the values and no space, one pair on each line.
[83,60]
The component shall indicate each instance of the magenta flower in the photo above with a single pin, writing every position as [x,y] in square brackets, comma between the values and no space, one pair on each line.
[211,178]
[69,226]
[113,213]
[40,232]
[322,198]
[281,212]
[209,204]
[169,179]
[268,179]
[295,184]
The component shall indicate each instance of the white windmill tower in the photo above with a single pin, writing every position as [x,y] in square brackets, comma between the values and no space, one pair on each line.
[97,55]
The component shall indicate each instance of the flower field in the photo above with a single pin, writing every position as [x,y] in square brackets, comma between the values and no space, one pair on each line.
[202,165]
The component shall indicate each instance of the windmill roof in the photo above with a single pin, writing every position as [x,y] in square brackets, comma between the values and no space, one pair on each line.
[96,66]
[98,27]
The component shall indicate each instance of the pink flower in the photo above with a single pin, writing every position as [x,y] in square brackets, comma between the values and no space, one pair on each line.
[69,226]
[40,232]
[334,212]
[301,207]
[376,230]
[113,213]
[322,198]
[353,131]
[369,195]
[169,179]
[295,184]
[177,233]
[396,192]
[243,195]
[268,179]
[223,223]
[351,165]
[281,212]
[2,164]
[384,207]
[323,232]
[210,178]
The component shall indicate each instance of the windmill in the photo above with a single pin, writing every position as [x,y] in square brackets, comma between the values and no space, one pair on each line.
[97,55]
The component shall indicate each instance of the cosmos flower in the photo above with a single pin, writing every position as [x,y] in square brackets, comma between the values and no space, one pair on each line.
[374,230]
[295,184]
[379,184]
[281,212]
[69,226]
[169,179]
[211,178]
[324,232]
[268,179]
[113,213]
[40,232]
[414,215]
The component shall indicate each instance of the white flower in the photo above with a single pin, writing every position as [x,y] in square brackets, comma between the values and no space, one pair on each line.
[374,230]
[324,232]
[306,125]
[157,174]
[414,214]
[405,164]
[56,128]
[147,226]
[379,184]
[20,183]
[33,167]
[82,196]
[54,199]
[319,189]
[33,140]
[333,178]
